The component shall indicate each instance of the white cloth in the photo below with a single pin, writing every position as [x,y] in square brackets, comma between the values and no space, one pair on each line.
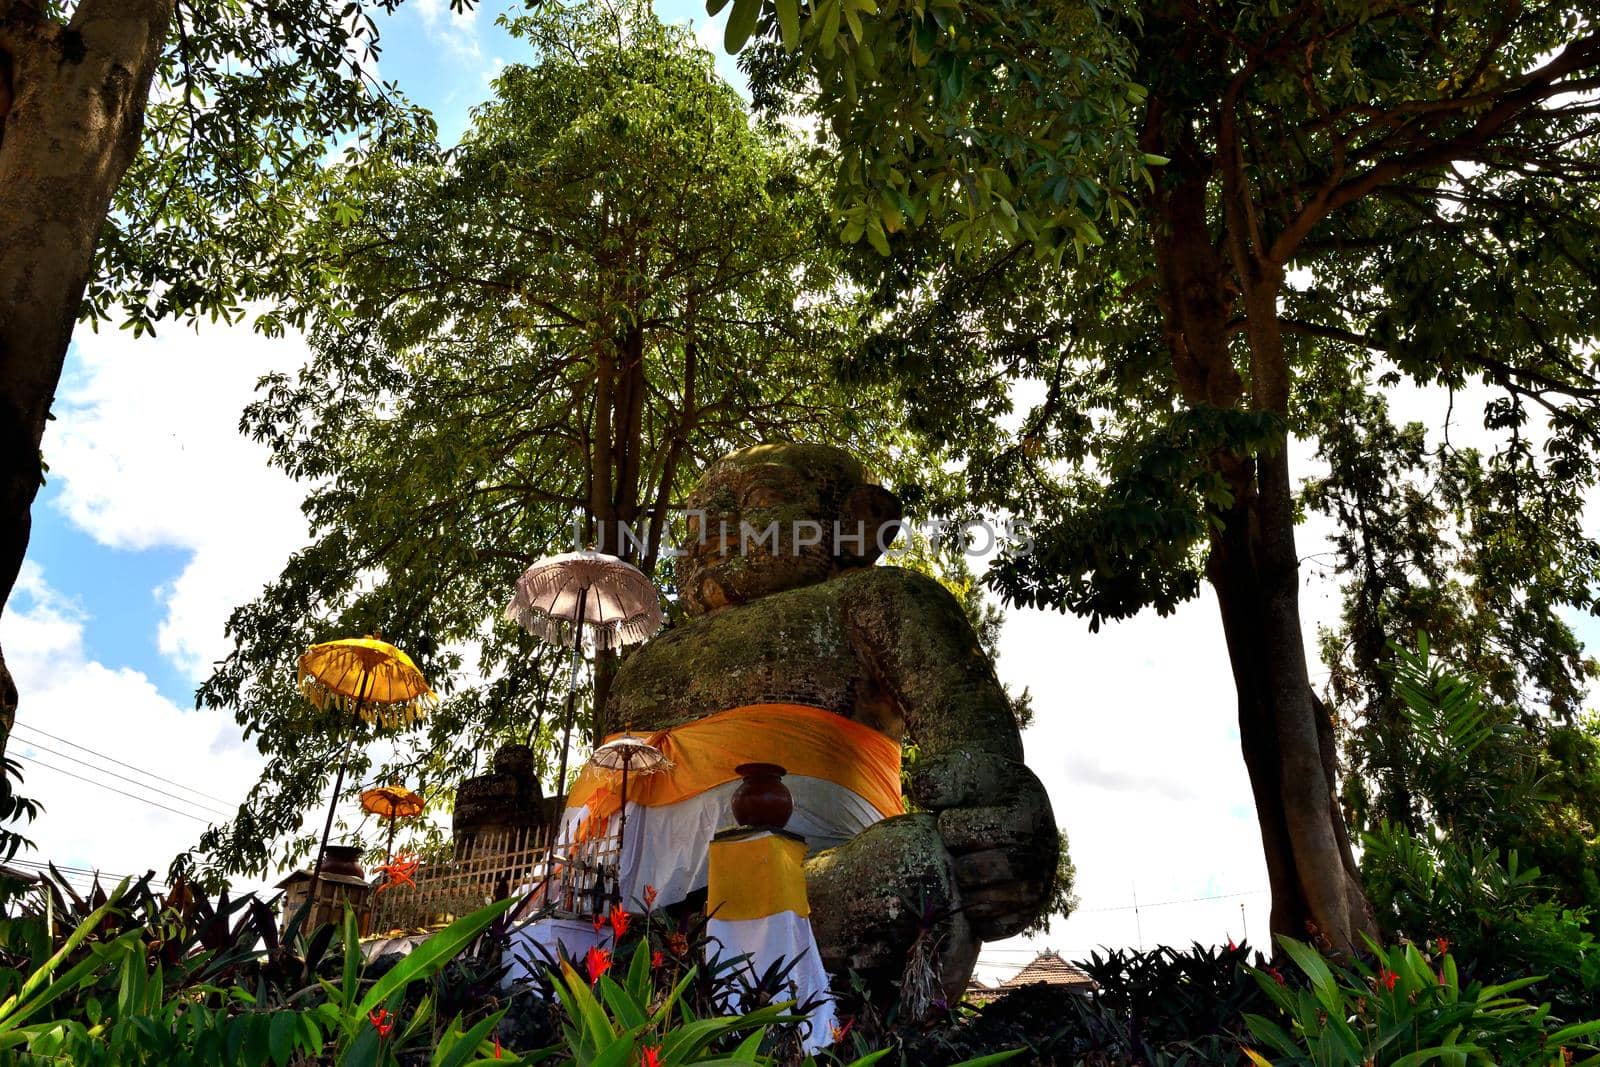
[666,846]
[572,937]
[784,936]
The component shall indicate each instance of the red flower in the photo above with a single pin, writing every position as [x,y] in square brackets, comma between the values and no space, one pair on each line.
[619,920]
[1231,946]
[656,960]
[497,1044]
[651,1056]
[599,923]
[838,1030]
[1277,975]
[598,962]
[649,896]
[1444,945]
[1387,978]
[381,1022]
[398,872]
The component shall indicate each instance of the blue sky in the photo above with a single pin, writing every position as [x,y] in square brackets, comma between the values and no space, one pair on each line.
[159,518]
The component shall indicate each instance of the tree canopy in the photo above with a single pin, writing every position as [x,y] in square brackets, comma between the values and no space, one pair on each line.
[613,278]
[1275,212]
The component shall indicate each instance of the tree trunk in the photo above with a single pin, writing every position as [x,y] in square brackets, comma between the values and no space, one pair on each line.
[71,113]
[1285,734]
[1254,568]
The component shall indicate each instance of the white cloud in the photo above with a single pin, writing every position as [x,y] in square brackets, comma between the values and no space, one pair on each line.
[147,451]
[117,712]
[457,31]
[1134,736]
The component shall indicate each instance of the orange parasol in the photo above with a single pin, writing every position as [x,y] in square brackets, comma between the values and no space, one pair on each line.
[392,802]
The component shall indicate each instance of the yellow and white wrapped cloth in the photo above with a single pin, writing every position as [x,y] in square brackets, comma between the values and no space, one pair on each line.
[757,905]
[843,776]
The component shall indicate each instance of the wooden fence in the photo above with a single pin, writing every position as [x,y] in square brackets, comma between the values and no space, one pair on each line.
[569,880]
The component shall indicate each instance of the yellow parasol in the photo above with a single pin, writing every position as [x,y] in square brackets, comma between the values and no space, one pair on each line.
[376,683]
[369,677]
[392,802]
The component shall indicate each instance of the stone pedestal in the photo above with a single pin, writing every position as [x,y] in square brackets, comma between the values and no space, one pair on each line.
[507,800]
[756,900]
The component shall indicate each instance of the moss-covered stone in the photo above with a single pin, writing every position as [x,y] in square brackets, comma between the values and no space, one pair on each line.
[770,622]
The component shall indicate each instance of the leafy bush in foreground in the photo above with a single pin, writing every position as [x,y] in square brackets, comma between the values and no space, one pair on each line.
[1403,1009]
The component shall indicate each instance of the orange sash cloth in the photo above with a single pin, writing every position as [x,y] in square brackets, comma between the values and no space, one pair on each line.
[805,741]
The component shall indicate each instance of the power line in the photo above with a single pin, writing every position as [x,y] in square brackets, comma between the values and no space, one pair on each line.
[1165,903]
[125,778]
[120,763]
[114,789]
[84,875]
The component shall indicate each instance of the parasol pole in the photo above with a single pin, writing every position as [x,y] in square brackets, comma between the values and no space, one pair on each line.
[390,847]
[572,692]
[338,783]
[622,829]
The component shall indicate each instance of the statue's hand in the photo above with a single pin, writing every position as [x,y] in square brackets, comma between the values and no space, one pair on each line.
[873,896]
[996,822]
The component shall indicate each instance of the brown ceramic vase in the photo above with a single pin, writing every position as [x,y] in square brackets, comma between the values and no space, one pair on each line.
[762,800]
[344,861]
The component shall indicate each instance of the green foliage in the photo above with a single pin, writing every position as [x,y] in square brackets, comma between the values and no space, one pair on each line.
[1402,1009]
[247,101]
[613,277]
[15,809]
[121,996]
[1502,919]
[1057,387]
[1500,849]
[613,1023]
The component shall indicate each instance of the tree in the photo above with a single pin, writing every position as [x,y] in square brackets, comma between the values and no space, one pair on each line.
[1478,553]
[1399,192]
[148,153]
[612,279]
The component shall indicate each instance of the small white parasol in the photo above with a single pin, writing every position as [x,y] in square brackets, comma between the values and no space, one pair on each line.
[629,753]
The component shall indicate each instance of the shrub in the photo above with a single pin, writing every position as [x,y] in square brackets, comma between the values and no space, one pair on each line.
[1403,1009]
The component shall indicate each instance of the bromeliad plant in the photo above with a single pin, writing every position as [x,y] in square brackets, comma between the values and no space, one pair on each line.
[1402,1009]
[618,1024]
[113,1001]
[613,1024]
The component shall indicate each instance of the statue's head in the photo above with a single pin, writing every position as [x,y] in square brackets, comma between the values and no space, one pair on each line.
[775,517]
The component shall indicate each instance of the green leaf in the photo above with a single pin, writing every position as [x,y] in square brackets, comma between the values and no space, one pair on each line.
[741,24]
[789,22]
[428,958]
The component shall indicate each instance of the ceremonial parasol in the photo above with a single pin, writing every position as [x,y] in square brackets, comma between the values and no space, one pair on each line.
[564,598]
[376,683]
[627,752]
[392,802]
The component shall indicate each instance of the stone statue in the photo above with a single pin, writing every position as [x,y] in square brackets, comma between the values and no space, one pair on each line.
[777,619]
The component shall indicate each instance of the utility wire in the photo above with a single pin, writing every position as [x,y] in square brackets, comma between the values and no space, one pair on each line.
[120,763]
[130,781]
[79,878]
[114,789]
[1165,903]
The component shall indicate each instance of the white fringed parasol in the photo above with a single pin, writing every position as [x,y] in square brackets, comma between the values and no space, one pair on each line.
[565,598]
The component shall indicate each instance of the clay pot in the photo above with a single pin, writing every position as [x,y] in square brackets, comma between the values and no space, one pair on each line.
[763,800]
[343,860]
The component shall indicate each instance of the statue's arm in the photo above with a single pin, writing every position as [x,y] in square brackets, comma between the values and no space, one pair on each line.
[993,813]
